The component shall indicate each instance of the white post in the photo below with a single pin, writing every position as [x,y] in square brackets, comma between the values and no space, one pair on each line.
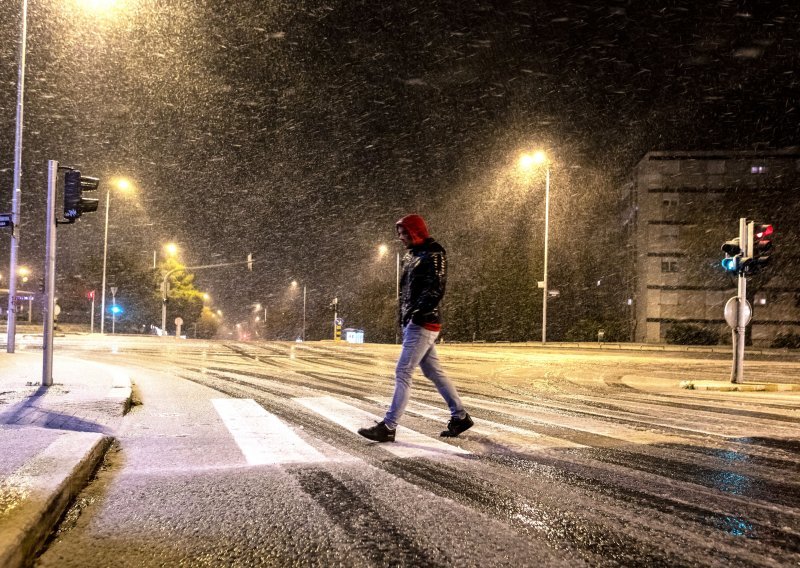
[304,313]
[164,288]
[91,320]
[737,376]
[113,311]
[546,238]
[11,328]
[48,303]
[105,255]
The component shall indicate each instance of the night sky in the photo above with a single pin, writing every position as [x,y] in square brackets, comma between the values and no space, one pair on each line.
[300,131]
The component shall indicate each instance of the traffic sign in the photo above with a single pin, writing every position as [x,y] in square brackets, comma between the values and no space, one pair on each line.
[732,312]
[6,220]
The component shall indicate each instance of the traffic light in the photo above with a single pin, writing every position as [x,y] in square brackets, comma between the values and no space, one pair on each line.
[733,255]
[759,246]
[75,204]
[250,261]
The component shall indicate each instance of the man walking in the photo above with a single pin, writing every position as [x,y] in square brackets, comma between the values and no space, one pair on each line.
[421,290]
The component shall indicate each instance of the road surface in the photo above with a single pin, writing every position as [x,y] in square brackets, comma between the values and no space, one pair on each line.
[246,454]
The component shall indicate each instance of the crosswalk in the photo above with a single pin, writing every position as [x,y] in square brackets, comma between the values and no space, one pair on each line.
[265,439]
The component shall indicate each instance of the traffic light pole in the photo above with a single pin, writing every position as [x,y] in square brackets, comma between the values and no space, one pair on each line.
[49,275]
[742,316]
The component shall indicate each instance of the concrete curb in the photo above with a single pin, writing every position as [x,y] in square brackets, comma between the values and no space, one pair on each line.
[44,487]
[122,391]
[723,386]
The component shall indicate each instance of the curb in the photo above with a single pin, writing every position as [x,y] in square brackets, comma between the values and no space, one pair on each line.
[44,487]
[738,387]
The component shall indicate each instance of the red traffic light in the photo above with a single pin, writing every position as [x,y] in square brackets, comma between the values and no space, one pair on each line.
[90,295]
[763,231]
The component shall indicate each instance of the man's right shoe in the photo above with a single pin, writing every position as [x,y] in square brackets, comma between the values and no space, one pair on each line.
[378,433]
[456,426]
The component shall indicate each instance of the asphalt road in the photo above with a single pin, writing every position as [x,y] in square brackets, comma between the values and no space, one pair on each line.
[246,455]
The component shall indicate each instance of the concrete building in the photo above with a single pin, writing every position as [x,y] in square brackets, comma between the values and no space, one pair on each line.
[683,206]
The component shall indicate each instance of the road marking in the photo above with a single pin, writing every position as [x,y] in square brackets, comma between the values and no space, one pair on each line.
[485,427]
[550,416]
[262,437]
[409,444]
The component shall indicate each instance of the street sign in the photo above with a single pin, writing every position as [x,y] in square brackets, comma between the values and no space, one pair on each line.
[6,220]
[732,312]
[113,291]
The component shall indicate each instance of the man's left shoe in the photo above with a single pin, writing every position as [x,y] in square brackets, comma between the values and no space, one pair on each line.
[456,426]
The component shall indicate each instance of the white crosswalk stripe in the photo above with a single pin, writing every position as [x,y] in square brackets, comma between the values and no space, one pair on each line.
[262,437]
[486,427]
[409,444]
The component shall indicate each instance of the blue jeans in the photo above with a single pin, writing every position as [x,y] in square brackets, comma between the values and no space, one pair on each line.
[418,349]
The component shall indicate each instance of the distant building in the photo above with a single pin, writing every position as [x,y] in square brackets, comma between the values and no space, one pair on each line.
[683,206]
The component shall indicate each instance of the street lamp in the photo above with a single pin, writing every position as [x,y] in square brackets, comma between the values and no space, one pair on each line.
[123,185]
[527,162]
[382,251]
[295,285]
[11,327]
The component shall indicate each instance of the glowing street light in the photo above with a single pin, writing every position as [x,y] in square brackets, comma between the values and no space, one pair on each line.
[124,186]
[171,249]
[24,272]
[528,162]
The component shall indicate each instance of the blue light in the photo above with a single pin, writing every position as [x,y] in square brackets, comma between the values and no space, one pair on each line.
[116,310]
[729,264]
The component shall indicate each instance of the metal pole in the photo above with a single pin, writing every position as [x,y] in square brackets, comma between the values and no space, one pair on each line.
[113,314]
[741,328]
[30,308]
[105,255]
[741,315]
[335,315]
[304,313]
[164,303]
[546,238]
[48,303]
[11,328]
[91,320]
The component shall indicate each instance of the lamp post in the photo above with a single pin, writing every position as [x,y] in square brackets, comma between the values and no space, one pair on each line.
[527,162]
[382,251]
[123,185]
[303,333]
[11,328]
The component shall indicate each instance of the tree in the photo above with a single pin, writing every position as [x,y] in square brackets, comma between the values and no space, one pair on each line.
[183,299]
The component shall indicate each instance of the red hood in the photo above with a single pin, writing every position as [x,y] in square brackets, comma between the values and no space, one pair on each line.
[416,227]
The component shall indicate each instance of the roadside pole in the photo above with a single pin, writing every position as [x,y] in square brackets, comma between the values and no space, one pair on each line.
[49,274]
[737,309]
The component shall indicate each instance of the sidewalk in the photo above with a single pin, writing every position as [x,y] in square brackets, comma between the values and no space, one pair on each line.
[52,439]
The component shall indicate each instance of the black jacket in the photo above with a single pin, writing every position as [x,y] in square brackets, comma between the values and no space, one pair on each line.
[422,284]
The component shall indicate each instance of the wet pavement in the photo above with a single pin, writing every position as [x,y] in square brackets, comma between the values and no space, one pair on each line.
[576,458]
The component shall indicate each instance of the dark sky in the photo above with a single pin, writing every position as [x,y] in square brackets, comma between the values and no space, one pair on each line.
[300,131]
